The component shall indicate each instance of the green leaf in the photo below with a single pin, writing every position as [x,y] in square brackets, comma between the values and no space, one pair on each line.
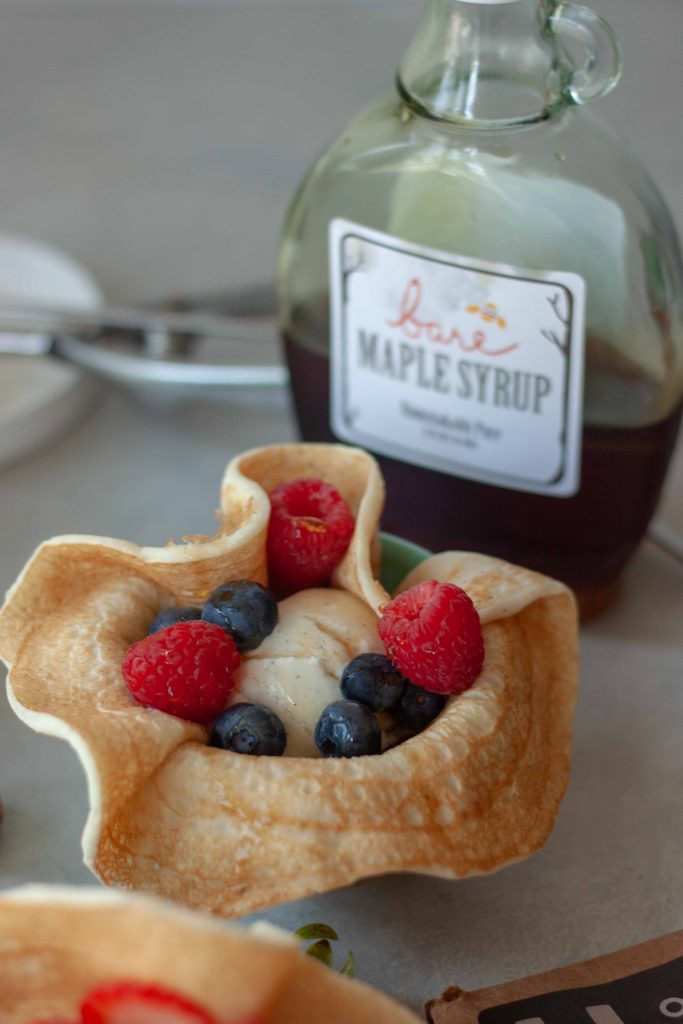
[316,931]
[322,951]
[349,965]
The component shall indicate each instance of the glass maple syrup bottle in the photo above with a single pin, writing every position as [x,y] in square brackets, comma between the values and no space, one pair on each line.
[480,286]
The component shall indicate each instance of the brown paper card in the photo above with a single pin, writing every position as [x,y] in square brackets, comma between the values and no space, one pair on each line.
[640,985]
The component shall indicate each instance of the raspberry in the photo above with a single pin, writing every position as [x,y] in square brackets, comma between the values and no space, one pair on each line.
[186,670]
[433,635]
[309,531]
[134,1002]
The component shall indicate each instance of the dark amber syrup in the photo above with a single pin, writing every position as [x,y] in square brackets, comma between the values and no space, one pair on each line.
[585,540]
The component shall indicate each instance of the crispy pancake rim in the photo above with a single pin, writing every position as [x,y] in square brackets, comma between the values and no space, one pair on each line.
[477,790]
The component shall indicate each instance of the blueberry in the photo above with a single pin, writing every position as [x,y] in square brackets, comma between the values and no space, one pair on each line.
[244,609]
[418,707]
[171,616]
[373,680]
[347,729]
[249,729]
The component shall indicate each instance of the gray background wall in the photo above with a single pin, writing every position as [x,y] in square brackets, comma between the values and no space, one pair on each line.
[159,142]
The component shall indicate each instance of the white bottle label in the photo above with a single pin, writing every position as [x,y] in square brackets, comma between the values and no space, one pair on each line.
[471,368]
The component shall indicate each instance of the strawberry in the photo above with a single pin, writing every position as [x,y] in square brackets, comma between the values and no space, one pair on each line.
[133,1002]
[432,633]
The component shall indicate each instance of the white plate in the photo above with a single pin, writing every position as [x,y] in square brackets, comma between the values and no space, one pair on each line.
[40,396]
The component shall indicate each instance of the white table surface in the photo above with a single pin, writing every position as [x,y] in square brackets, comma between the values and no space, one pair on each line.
[612,871]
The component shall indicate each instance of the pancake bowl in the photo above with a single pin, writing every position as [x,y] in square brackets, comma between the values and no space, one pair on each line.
[56,944]
[478,789]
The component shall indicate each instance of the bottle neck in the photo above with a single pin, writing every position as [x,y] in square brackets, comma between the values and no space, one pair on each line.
[486,64]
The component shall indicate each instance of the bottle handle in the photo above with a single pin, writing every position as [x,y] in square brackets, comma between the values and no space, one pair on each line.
[591,49]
